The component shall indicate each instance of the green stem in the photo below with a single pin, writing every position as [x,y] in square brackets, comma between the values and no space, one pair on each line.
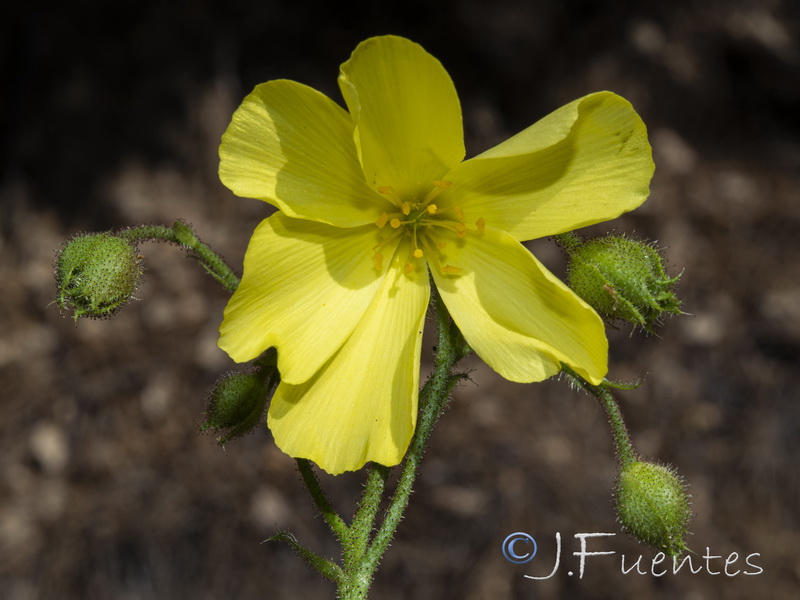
[326,568]
[364,521]
[622,440]
[182,235]
[330,515]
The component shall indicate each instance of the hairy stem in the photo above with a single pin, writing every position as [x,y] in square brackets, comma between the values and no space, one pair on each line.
[182,235]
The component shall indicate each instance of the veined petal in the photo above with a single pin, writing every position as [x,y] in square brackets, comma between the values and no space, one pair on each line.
[587,162]
[362,404]
[406,112]
[292,146]
[306,285]
[520,319]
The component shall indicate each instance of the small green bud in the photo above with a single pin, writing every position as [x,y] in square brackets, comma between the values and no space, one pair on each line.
[623,279]
[96,274]
[236,403]
[653,507]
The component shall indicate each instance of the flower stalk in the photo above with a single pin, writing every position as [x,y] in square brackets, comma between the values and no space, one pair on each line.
[626,453]
[181,234]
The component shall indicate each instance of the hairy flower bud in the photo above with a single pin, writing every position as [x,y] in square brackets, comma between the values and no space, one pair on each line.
[623,279]
[236,404]
[653,507]
[96,274]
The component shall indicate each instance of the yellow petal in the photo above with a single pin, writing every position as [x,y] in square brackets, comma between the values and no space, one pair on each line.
[587,162]
[306,285]
[519,318]
[362,405]
[291,146]
[406,112]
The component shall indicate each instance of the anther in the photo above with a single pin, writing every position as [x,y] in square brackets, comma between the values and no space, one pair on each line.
[382,220]
[450,269]
[417,253]
[406,208]
[481,225]
[438,188]
[408,267]
[432,208]
[388,190]
[459,213]
[395,223]
[377,258]
[461,229]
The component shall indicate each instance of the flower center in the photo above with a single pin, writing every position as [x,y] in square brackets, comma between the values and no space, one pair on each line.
[420,220]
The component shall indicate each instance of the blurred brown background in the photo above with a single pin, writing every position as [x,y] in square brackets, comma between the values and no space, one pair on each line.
[112,117]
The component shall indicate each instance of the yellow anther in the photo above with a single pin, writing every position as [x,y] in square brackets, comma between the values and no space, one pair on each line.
[459,213]
[388,191]
[395,223]
[438,188]
[431,208]
[442,245]
[450,269]
[377,258]
[481,225]
[417,253]
[406,208]
[408,267]
[461,229]
[382,220]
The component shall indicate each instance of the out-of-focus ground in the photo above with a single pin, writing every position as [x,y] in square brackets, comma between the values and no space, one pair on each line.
[112,118]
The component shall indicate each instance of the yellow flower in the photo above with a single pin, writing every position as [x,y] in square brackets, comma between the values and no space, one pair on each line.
[372,200]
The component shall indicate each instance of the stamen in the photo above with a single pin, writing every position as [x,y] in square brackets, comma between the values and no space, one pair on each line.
[395,223]
[432,208]
[406,208]
[417,253]
[438,188]
[459,213]
[408,267]
[431,253]
[382,242]
[442,245]
[481,225]
[382,220]
[451,225]
[461,229]
[451,270]
[388,190]
[377,258]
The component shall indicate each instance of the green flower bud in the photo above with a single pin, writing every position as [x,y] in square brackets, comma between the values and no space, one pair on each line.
[623,279]
[96,274]
[236,403]
[653,507]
